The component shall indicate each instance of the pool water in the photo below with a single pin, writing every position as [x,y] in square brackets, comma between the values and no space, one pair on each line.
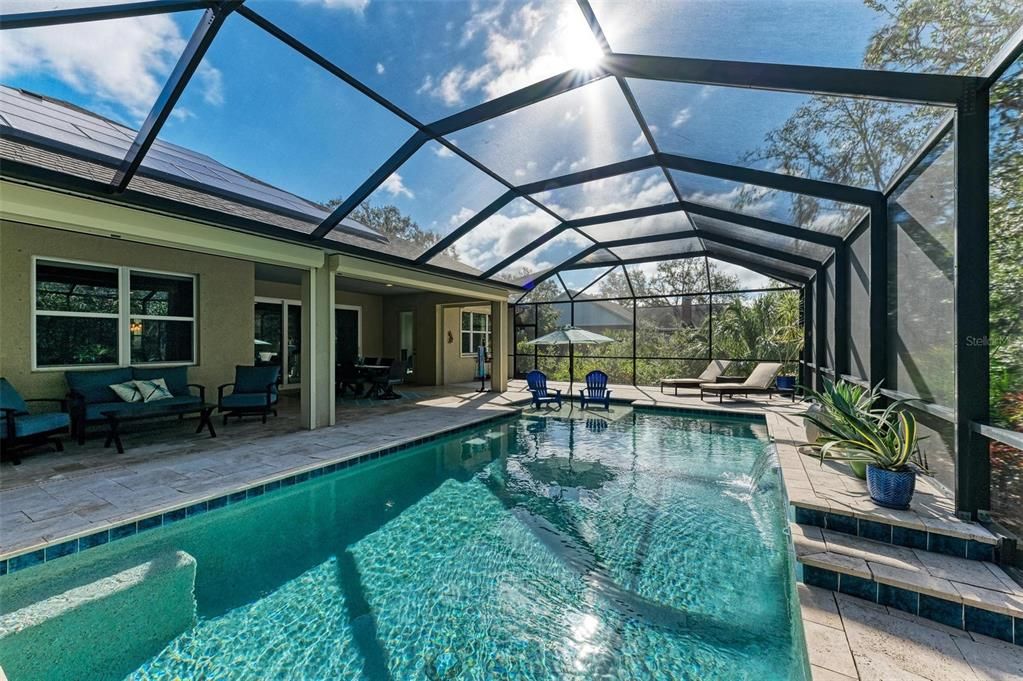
[530,548]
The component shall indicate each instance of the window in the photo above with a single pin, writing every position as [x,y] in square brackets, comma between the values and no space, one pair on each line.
[97,315]
[475,331]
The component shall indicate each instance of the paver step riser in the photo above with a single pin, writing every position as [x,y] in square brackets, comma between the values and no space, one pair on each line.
[956,615]
[931,539]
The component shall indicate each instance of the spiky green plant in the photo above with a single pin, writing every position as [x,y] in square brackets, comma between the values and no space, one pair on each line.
[852,430]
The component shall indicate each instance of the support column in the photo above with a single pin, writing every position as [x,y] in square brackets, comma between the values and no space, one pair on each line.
[318,345]
[877,368]
[842,312]
[499,342]
[973,466]
[820,328]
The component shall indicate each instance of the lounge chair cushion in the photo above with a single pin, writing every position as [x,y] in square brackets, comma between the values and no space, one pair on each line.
[94,412]
[176,378]
[726,386]
[683,381]
[33,424]
[241,400]
[714,369]
[763,374]
[94,386]
[11,398]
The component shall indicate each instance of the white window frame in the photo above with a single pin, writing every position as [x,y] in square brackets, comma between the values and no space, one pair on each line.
[123,315]
[487,332]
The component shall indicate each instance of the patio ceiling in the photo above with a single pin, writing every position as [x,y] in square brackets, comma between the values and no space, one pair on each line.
[641,186]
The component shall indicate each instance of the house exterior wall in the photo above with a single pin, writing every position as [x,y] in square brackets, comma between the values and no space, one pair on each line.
[458,368]
[372,310]
[224,313]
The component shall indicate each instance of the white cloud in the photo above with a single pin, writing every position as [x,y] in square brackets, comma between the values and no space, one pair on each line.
[395,186]
[504,233]
[682,117]
[443,152]
[124,62]
[520,47]
[380,69]
[357,6]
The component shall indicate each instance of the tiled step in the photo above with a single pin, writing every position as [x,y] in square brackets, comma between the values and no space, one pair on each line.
[962,593]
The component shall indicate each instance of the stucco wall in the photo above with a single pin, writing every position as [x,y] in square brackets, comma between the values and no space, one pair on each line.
[372,310]
[225,293]
[458,368]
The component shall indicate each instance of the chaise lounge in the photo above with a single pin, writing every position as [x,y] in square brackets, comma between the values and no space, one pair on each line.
[759,382]
[709,375]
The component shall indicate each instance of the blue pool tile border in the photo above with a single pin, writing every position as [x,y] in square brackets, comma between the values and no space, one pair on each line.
[897,535]
[39,556]
[956,615]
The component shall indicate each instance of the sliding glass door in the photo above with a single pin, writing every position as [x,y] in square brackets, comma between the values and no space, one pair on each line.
[278,337]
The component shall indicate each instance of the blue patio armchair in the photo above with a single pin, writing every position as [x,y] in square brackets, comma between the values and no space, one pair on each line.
[596,391]
[254,391]
[537,383]
[19,428]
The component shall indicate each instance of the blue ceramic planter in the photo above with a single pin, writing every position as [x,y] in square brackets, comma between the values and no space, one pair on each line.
[891,489]
[785,382]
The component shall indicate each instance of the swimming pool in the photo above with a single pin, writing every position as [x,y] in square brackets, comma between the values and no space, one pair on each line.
[531,548]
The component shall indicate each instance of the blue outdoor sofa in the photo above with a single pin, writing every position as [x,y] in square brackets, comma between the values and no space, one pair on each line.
[89,394]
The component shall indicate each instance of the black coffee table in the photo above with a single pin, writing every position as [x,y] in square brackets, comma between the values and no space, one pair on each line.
[116,418]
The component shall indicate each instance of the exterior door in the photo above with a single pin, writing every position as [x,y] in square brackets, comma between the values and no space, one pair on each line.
[407,333]
[278,337]
[346,335]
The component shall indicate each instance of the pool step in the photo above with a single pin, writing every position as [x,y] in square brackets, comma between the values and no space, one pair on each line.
[949,536]
[959,592]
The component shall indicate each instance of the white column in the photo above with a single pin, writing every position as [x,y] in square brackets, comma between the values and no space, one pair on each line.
[318,345]
[499,341]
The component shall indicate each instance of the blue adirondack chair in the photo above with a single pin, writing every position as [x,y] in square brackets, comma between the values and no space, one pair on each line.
[537,382]
[596,391]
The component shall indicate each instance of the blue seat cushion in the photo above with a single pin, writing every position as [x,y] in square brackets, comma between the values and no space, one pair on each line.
[11,398]
[176,378]
[94,386]
[94,412]
[241,400]
[255,379]
[33,424]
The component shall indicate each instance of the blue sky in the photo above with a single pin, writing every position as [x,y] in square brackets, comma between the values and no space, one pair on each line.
[260,108]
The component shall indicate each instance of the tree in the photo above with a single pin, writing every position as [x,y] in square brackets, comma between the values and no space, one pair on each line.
[391,222]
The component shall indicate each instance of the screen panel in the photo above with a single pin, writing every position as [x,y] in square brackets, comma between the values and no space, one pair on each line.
[609,195]
[798,210]
[856,142]
[636,227]
[815,32]
[437,191]
[302,143]
[859,306]
[581,129]
[921,264]
[759,237]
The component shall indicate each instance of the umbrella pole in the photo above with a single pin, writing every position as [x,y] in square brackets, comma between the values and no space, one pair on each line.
[571,374]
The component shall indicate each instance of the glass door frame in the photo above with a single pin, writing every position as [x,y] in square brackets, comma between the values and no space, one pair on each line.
[285,303]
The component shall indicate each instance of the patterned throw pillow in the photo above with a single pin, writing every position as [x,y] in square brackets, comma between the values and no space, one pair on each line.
[153,390]
[127,391]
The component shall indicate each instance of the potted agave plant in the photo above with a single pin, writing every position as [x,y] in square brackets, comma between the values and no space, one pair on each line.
[831,405]
[885,441]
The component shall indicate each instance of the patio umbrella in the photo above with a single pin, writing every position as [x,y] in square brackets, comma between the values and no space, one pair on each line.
[571,336]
